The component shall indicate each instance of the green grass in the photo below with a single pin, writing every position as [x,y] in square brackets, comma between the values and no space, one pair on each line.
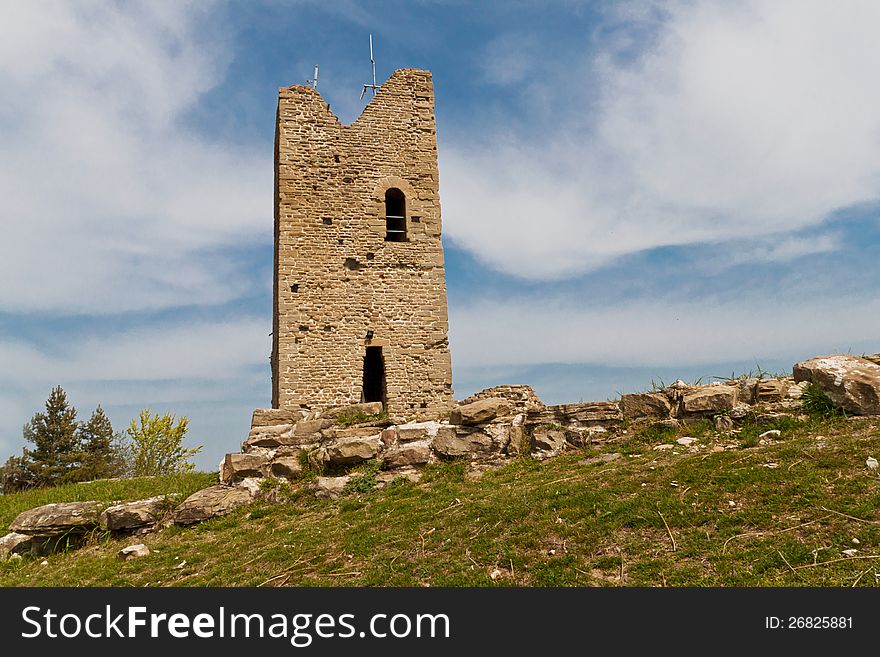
[105,490]
[777,514]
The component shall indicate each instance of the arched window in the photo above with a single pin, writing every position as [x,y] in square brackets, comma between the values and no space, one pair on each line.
[395,216]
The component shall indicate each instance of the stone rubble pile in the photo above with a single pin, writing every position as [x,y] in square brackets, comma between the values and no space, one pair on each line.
[486,429]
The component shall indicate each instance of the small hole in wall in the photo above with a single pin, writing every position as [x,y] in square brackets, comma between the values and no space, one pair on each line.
[340,241]
[423,405]
[336,157]
[326,221]
[303,327]
[328,328]
[294,288]
[370,256]
[415,219]
[347,179]
[352,263]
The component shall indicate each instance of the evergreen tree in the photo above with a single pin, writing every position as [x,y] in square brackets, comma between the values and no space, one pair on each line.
[56,454]
[17,473]
[100,455]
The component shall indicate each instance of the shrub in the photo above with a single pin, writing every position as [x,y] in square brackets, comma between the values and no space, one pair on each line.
[157,445]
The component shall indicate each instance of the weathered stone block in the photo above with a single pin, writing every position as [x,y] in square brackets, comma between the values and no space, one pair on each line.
[414,453]
[481,412]
[266,417]
[549,440]
[211,502]
[58,518]
[352,451]
[771,390]
[15,543]
[645,405]
[311,427]
[417,431]
[456,443]
[851,382]
[707,400]
[288,467]
[133,515]
[239,466]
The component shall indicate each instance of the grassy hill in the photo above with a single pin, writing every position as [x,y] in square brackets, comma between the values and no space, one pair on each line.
[759,513]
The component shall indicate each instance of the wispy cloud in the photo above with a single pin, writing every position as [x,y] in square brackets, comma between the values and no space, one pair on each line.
[741,120]
[527,330]
[109,202]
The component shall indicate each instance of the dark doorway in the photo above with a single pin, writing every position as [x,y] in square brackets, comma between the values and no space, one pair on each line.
[374,375]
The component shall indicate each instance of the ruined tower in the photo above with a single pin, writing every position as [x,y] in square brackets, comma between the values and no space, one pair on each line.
[360,291]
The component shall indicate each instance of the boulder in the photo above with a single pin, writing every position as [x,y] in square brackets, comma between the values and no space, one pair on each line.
[266,417]
[351,451]
[329,488]
[455,443]
[288,467]
[851,382]
[415,453]
[133,515]
[15,543]
[549,440]
[133,552]
[366,408]
[211,502]
[707,400]
[645,405]
[771,390]
[481,412]
[58,518]
[417,431]
[239,466]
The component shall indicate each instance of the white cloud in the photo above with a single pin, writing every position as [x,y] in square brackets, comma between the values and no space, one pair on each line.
[213,372]
[528,331]
[109,202]
[740,120]
[203,350]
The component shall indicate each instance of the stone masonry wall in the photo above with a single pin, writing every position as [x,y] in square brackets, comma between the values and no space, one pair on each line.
[336,278]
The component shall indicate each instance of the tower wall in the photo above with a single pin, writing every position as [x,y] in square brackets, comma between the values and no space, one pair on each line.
[336,276]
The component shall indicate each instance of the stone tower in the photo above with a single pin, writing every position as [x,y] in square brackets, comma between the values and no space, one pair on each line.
[360,291]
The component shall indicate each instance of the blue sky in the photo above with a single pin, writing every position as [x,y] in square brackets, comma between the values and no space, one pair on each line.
[630,191]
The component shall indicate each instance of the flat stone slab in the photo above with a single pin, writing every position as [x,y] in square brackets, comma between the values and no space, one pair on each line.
[134,515]
[58,518]
[264,417]
[481,412]
[210,503]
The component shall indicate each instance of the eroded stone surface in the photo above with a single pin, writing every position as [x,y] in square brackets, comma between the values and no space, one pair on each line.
[58,518]
[210,503]
[133,515]
[851,382]
[481,411]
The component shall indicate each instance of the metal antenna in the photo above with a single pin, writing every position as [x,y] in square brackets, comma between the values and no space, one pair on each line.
[314,81]
[373,86]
